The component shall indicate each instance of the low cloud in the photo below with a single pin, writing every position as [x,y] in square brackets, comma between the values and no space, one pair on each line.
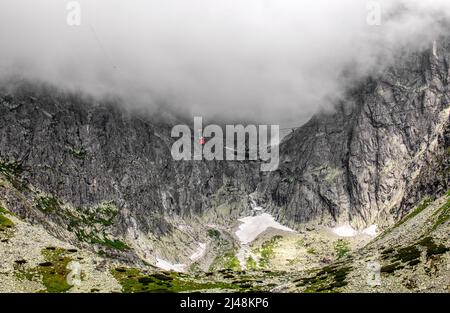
[271,61]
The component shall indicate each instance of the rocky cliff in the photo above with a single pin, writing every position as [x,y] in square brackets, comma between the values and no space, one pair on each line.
[369,161]
[96,173]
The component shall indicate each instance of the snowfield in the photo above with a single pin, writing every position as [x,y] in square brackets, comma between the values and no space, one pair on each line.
[345,231]
[371,230]
[348,231]
[253,226]
[169,266]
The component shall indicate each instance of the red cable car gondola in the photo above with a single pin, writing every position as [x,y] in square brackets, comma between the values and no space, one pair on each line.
[201,139]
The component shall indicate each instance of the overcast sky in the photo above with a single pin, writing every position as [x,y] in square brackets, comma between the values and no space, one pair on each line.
[276,61]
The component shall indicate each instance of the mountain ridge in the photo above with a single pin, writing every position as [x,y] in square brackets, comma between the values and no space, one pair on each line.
[97,175]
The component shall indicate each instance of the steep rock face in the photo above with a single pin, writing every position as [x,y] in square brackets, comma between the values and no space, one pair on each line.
[361,164]
[86,153]
[366,163]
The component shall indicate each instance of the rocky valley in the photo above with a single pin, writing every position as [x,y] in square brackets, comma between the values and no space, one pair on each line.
[359,203]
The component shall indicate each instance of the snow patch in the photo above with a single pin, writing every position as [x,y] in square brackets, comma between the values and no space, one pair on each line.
[169,266]
[344,231]
[199,253]
[348,231]
[435,49]
[253,226]
[371,230]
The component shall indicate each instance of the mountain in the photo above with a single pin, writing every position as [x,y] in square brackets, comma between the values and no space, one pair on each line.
[411,256]
[89,179]
[362,163]
[70,150]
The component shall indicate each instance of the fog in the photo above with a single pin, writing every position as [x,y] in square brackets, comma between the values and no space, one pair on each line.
[270,61]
